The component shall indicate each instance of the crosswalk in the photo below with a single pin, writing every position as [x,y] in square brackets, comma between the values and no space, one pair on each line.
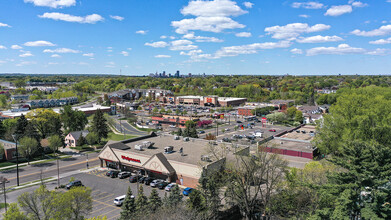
[99,173]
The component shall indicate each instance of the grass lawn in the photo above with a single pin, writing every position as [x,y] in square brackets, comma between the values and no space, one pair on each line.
[119,137]
[2,205]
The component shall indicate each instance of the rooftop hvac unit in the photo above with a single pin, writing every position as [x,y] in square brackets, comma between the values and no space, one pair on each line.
[176,137]
[139,147]
[186,139]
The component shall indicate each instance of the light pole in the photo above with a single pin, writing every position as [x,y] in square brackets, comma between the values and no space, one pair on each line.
[3,180]
[15,137]
[58,170]
[87,161]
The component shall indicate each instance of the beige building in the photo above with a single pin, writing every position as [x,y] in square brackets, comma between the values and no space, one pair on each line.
[183,168]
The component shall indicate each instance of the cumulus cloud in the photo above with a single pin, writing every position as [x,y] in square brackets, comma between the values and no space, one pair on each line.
[243,34]
[307,5]
[61,50]
[141,32]
[2,47]
[339,50]
[211,24]
[338,10]
[116,17]
[125,53]
[88,54]
[39,43]
[383,30]
[191,36]
[294,30]
[248,4]
[319,39]
[381,41]
[182,45]
[88,19]
[16,47]
[379,52]
[215,8]
[157,44]
[358,4]
[4,25]
[162,56]
[250,48]
[296,51]
[55,56]
[25,63]
[304,16]
[26,54]
[52,3]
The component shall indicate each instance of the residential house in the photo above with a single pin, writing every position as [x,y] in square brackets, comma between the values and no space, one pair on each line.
[9,150]
[71,140]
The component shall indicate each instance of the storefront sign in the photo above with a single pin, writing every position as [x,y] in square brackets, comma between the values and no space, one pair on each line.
[130,159]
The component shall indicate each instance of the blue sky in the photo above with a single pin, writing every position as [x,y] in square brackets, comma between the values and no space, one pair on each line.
[213,37]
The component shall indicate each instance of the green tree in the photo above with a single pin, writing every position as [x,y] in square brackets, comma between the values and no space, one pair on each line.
[27,147]
[179,132]
[299,116]
[92,138]
[46,121]
[80,202]
[14,213]
[277,117]
[154,201]
[82,141]
[2,130]
[175,197]
[155,110]
[291,112]
[73,120]
[55,142]
[99,125]
[3,101]
[129,206]
[141,201]
[197,201]
[21,126]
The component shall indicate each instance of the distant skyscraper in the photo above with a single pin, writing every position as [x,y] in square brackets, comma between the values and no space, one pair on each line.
[164,73]
[177,74]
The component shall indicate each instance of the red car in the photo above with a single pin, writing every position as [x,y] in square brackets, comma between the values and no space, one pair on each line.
[272,130]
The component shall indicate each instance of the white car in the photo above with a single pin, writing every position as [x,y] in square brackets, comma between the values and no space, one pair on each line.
[120,200]
[170,186]
[155,183]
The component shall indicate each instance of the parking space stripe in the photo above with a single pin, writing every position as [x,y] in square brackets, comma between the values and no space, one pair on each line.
[99,194]
[108,212]
[113,217]
[105,204]
[107,196]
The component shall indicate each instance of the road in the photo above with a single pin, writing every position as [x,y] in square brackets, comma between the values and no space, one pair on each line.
[33,172]
[123,125]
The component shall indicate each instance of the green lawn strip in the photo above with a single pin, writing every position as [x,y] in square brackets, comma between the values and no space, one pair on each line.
[118,137]
[24,185]
[2,205]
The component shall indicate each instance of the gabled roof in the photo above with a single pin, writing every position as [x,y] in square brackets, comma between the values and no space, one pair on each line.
[76,134]
[163,160]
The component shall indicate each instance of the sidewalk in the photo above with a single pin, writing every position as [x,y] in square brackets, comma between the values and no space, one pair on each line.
[33,162]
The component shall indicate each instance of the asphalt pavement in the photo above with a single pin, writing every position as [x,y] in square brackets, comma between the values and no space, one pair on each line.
[124,126]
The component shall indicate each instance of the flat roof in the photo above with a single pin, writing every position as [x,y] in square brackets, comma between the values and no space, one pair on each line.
[290,145]
[190,97]
[230,99]
[307,136]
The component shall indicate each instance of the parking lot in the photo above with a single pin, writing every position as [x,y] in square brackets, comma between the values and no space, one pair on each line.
[105,189]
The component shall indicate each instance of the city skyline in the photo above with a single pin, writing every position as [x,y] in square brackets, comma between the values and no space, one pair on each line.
[220,37]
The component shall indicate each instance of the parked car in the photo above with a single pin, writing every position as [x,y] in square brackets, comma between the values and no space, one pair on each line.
[162,185]
[148,180]
[226,140]
[134,178]
[170,186]
[239,122]
[155,183]
[73,184]
[187,191]
[227,129]
[201,132]
[250,137]
[124,175]
[112,173]
[141,180]
[120,200]
[272,130]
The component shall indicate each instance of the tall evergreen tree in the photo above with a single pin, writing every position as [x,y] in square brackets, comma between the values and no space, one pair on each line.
[154,201]
[21,126]
[99,125]
[141,201]
[129,206]
[2,130]
[175,197]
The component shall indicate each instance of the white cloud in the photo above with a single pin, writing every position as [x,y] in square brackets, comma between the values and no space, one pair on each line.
[61,50]
[307,5]
[319,39]
[296,51]
[201,38]
[83,63]
[88,54]
[2,47]
[304,16]
[26,54]
[39,43]
[16,47]
[89,19]
[163,37]
[215,8]
[250,48]
[116,17]
[358,4]
[248,4]
[157,44]
[162,56]
[129,49]
[379,52]
[4,25]
[340,50]
[243,34]
[53,63]
[141,32]
[182,45]
[24,63]
[211,24]
[191,53]
[294,30]
[125,53]
[383,30]
[52,3]
[381,41]
[338,10]
[110,64]
[55,56]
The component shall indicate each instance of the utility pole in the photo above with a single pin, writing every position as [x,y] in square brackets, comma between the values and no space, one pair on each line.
[58,170]
[87,161]
[17,158]
[3,180]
